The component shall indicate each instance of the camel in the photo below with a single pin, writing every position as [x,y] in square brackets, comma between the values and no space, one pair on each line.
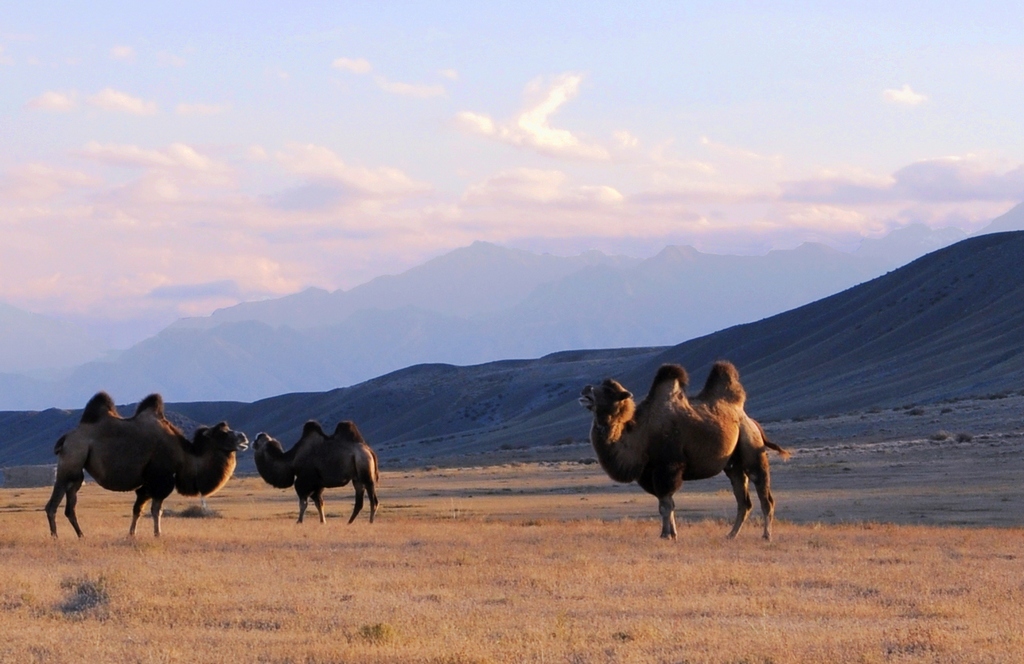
[317,462]
[144,453]
[668,439]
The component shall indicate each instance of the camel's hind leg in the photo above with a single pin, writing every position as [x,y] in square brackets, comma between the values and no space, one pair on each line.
[359,499]
[141,498]
[739,489]
[59,489]
[318,500]
[667,510]
[64,487]
[371,490]
[72,503]
[763,484]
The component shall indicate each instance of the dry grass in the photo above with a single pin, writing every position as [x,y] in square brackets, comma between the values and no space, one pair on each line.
[443,578]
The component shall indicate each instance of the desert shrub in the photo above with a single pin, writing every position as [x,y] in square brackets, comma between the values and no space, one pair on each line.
[915,411]
[194,512]
[84,594]
[378,633]
[940,435]
[964,437]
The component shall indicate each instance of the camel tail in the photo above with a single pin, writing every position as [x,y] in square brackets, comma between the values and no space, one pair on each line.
[375,471]
[784,453]
[59,446]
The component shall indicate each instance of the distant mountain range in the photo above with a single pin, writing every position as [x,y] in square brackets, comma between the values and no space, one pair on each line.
[945,326]
[476,304]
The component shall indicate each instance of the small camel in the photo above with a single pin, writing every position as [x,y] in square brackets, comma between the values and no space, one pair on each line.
[144,453]
[668,439]
[317,462]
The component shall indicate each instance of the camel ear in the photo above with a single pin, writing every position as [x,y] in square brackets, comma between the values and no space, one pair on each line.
[623,395]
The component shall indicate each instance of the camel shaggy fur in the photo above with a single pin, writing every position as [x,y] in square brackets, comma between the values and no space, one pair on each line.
[144,453]
[668,439]
[317,462]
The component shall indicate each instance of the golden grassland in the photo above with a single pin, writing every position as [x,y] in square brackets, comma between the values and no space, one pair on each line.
[515,564]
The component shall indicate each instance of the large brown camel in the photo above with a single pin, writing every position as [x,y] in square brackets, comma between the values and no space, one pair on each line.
[144,453]
[317,462]
[668,439]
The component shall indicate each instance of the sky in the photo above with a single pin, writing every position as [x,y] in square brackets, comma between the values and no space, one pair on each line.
[165,161]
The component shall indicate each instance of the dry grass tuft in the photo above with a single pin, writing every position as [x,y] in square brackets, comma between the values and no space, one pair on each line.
[194,512]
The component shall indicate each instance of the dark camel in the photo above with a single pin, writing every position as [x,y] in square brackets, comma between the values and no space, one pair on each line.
[317,462]
[144,453]
[669,439]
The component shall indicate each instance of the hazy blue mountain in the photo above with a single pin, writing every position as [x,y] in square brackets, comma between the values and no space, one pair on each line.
[476,304]
[905,244]
[1011,221]
[32,343]
[479,279]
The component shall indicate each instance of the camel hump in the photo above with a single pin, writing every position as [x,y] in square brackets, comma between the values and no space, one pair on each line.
[153,402]
[311,427]
[671,372]
[668,373]
[100,406]
[723,383]
[349,431]
[59,445]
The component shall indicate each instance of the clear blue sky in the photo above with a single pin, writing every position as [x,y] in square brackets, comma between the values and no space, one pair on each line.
[164,161]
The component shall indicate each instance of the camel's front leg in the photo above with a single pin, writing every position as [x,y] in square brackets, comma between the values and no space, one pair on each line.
[157,509]
[667,509]
[743,504]
[141,498]
[318,500]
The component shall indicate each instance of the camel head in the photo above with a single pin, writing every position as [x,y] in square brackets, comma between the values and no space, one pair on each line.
[264,442]
[605,398]
[221,438]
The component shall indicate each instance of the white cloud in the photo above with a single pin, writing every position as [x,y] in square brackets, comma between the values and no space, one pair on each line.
[113,100]
[904,96]
[201,109]
[60,102]
[536,186]
[353,65]
[177,156]
[532,127]
[625,139]
[410,89]
[450,74]
[123,53]
[257,153]
[321,164]
[40,182]
[960,179]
